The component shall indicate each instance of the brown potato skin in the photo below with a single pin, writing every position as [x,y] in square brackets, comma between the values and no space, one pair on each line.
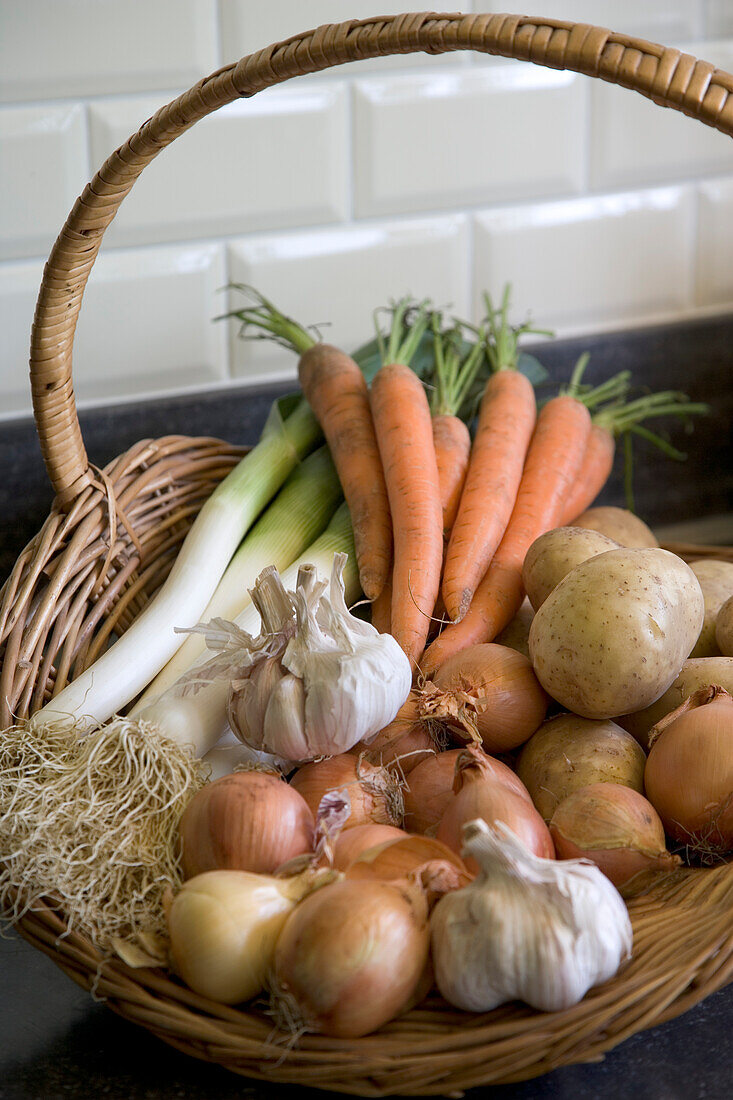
[554,554]
[619,524]
[568,752]
[697,672]
[724,628]
[716,581]
[614,634]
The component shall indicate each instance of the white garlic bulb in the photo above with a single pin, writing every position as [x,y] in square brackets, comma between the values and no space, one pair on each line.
[537,930]
[316,680]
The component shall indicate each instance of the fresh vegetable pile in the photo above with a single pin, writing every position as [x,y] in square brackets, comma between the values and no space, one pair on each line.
[407,712]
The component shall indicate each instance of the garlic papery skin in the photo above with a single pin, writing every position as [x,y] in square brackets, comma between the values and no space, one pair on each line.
[317,680]
[224,926]
[541,931]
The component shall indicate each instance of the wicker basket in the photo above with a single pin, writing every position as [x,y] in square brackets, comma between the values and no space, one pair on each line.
[113,534]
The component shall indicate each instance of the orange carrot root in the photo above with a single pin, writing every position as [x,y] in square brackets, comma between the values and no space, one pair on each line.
[506,420]
[553,463]
[337,392]
[594,473]
[405,437]
[452,448]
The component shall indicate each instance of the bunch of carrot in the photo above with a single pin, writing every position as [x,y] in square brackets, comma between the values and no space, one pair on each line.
[432,510]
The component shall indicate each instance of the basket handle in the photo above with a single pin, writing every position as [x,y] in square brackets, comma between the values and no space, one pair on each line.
[670,78]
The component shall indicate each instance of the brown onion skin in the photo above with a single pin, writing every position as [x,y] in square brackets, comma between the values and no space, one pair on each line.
[352,842]
[396,859]
[368,807]
[513,701]
[407,739]
[247,821]
[615,827]
[429,789]
[352,955]
[689,776]
[480,795]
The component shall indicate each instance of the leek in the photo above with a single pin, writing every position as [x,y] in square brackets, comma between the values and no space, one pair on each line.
[297,515]
[195,714]
[129,665]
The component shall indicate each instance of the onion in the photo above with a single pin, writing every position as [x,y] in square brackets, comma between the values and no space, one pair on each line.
[407,740]
[247,821]
[352,842]
[478,794]
[351,957]
[429,789]
[375,795]
[615,827]
[490,693]
[396,859]
[569,752]
[689,772]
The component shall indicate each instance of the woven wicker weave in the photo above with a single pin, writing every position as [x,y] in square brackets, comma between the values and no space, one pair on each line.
[110,541]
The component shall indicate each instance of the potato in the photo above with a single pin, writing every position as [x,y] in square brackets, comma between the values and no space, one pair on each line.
[568,752]
[619,524]
[554,554]
[724,628]
[614,634]
[516,634]
[696,673]
[716,581]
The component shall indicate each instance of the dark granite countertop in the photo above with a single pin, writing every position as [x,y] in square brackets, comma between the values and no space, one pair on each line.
[56,1042]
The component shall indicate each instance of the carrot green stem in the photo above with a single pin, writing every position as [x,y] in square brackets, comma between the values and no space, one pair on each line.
[502,347]
[270,322]
[410,321]
[454,373]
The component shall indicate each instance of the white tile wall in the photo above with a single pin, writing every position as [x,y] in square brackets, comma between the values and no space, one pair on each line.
[588,261]
[156,332]
[237,170]
[714,270]
[45,148]
[440,141]
[431,175]
[51,48]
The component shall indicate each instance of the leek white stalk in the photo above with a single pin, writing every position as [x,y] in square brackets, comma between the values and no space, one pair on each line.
[297,515]
[128,666]
[195,714]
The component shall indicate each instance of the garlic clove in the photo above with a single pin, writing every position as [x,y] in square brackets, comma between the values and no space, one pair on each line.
[248,701]
[285,720]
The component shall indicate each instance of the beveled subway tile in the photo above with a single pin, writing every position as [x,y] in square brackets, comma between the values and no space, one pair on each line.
[51,48]
[273,161]
[465,137]
[43,168]
[336,278]
[590,262]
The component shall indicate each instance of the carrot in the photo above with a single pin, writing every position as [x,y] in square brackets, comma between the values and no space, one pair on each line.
[594,472]
[382,609]
[452,378]
[506,420]
[452,441]
[404,434]
[613,418]
[337,391]
[553,462]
